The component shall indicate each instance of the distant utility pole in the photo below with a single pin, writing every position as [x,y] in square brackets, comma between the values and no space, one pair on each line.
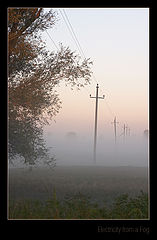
[115,131]
[129,131]
[96,116]
[124,132]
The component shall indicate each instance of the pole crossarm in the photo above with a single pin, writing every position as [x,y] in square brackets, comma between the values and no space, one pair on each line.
[98,97]
[114,121]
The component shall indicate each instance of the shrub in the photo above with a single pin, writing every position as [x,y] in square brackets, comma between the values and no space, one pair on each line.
[130,208]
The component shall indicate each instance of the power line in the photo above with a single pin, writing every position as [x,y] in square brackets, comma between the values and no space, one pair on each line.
[69,26]
[72,37]
[95,79]
[74,33]
[86,90]
[52,39]
[71,30]
[109,109]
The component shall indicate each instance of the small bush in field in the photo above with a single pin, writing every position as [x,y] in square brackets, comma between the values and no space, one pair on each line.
[130,208]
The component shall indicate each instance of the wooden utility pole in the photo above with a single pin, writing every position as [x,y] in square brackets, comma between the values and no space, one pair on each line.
[115,130]
[124,131]
[129,131]
[96,118]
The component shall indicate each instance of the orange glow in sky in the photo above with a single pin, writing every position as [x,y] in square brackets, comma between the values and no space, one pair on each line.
[117,41]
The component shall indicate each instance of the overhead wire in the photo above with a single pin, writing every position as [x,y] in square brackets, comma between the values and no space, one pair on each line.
[74,37]
[66,20]
[72,32]
[109,108]
[81,51]
[58,50]
[52,39]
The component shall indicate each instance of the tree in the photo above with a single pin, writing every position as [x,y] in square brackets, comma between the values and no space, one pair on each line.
[33,72]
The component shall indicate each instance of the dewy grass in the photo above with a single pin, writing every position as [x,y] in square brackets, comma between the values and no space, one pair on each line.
[79,206]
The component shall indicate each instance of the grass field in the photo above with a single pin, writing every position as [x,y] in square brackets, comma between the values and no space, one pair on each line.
[100,184]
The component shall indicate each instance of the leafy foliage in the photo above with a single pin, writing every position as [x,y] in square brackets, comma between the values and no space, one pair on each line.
[23,40]
[125,207]
[33,72]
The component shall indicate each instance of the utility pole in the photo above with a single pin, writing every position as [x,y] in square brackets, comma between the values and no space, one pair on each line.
[96,117]
[124,128]
[129,131]
[115,131]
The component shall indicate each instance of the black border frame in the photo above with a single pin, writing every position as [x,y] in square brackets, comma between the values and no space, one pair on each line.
[67,227]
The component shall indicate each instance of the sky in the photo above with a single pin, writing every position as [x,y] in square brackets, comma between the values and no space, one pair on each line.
[117,41]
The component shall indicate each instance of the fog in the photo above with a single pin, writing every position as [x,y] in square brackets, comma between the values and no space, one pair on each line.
[72,148]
